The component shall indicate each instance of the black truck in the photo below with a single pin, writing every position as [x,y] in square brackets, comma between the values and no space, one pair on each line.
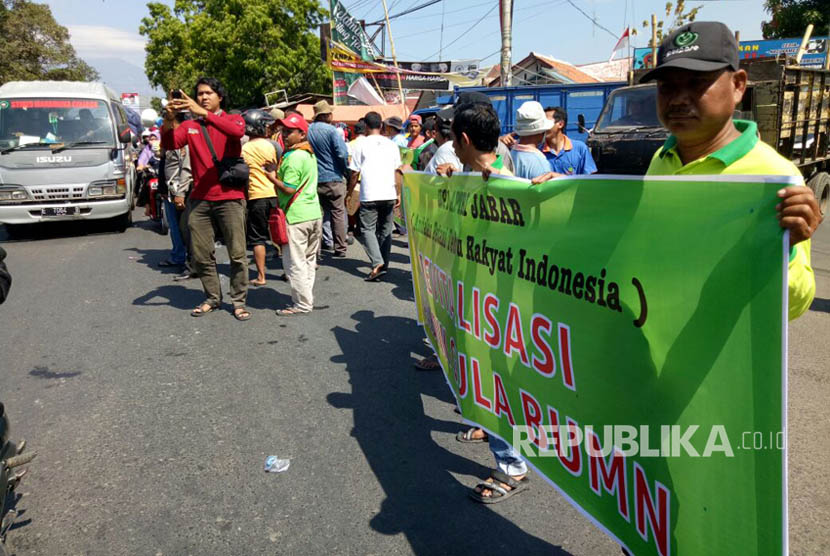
[791,105]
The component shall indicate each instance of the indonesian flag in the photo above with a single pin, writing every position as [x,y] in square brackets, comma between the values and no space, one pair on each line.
[622,44]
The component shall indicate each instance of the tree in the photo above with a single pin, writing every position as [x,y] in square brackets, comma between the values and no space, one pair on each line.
[791,17]
[36,47]
[680,16]
[251,46]
[155,104]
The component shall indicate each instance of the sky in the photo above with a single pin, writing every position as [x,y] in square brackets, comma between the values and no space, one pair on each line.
[109,28]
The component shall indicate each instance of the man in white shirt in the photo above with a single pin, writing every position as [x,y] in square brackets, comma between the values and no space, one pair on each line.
[445,153]
[377,160]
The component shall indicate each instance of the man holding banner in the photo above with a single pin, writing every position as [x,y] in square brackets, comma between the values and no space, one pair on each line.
[697,90]
[628,335]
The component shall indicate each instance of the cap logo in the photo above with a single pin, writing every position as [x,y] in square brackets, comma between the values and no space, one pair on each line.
[685,39]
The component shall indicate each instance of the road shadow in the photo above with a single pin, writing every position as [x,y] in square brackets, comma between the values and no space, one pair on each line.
[423,499]
[820,305]
[56,230]
[173,295]
[152,258]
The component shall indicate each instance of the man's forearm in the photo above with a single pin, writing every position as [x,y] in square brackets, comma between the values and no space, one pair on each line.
[352,182]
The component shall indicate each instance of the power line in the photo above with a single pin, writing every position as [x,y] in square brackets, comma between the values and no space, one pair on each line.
[461,36]
[593,19]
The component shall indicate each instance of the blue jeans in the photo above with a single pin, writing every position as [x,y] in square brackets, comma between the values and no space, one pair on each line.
[508,460]
[178,254]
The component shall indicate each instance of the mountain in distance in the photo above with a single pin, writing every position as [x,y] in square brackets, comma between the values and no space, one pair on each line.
[124,77]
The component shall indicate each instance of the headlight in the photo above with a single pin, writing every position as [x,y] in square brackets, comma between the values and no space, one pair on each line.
[13,193]
[108,188]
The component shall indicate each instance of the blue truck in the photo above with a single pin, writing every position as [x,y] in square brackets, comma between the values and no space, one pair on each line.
[581,98]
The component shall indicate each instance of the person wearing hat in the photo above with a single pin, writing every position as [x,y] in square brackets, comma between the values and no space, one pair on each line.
[531,126]
[276,132]
[296,182]
[699,83]
[332,167]
[415,138]
[393,129]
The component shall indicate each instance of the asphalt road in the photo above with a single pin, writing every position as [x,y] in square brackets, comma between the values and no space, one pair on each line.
[152,427]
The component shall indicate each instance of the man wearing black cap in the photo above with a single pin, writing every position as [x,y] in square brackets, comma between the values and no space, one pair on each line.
[475,97]
[699,82]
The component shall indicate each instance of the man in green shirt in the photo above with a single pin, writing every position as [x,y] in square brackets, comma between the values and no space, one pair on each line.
[699,83]
[296,184]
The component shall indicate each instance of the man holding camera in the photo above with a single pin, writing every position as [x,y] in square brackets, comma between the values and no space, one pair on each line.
[212,202]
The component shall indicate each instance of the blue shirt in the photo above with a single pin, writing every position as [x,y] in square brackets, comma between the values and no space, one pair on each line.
[528,163]
[330,150]
[574,158]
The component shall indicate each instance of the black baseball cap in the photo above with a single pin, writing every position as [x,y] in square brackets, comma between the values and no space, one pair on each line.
[469,97]
[697,46]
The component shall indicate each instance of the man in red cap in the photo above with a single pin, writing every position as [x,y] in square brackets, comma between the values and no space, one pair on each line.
[296,185]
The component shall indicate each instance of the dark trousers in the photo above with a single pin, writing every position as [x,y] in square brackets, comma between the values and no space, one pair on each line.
[332,196]
[377,220]
[229,217]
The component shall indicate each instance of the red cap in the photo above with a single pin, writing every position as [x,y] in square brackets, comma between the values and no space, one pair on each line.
[294,121]
[415,118]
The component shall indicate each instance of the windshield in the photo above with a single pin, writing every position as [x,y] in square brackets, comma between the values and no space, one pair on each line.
[635,107]
[42,121]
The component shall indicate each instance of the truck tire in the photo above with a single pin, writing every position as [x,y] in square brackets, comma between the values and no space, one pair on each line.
[820,184]
[124,221]
[17,231]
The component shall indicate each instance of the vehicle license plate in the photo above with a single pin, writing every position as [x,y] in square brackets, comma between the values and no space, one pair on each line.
[59,211]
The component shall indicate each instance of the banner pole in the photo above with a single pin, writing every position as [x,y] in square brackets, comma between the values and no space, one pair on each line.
[394,57]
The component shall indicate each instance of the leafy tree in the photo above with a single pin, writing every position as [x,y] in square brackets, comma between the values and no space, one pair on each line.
[251,46]
[36,47]
[676,16]
[155,104]
[791,17]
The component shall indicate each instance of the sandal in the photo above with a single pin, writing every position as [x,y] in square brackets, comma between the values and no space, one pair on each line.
[290,312]
[241,313]
[497,492]
[199,312]
[375,275]
[429,363]
[466,437]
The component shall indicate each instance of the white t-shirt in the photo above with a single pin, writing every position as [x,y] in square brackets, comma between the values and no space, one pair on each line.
[444,154]
[376,158]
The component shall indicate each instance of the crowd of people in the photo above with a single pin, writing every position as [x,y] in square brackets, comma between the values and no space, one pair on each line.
[333,190]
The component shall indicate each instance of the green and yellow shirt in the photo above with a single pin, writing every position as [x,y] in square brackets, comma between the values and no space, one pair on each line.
[747,155]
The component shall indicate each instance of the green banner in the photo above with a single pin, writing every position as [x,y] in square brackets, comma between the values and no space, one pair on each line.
[627,336]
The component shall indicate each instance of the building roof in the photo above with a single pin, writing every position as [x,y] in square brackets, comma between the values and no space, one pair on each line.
[614,70]
[556,70]
[57,89]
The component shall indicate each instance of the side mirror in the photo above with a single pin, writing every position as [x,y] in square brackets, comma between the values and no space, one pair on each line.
[124,133]
[580,119]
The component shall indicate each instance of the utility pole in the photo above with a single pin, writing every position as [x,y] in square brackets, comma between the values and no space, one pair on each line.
[394,56]
[506,42]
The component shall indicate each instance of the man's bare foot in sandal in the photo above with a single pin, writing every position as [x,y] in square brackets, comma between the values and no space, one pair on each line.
[429,363]
[241,313]
[499,487]
[471,436]
[290,312]
[258,282]
[203,310]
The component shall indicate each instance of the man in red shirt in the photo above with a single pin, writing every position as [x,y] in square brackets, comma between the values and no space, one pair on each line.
[210,201]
